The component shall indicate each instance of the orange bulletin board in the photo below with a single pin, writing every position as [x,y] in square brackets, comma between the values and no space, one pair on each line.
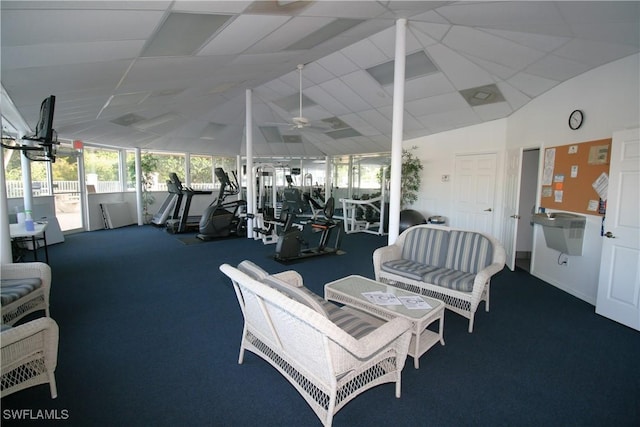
[575,176]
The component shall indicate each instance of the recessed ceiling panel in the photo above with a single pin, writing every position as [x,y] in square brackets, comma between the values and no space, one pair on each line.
[183,34]
[482,95]
[235,38]
[416,64]
[324,34]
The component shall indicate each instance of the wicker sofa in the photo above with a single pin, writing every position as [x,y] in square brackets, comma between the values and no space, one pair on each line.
[24,289]
[29,355]
[452,265]
[300,335]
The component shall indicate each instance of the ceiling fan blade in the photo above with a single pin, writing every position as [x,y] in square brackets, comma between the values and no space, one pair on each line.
[277,124]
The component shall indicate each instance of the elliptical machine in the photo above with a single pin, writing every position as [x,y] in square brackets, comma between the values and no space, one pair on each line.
[222,219]
[290,241]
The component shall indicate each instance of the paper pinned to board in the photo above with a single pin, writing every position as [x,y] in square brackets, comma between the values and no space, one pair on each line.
[601,185]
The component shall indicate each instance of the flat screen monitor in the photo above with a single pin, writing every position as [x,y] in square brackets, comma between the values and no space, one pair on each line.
[44,128]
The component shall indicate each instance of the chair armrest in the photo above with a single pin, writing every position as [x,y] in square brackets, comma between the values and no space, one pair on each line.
[25,270]
[384,254]
[292,277]
[381,337]
[48,343]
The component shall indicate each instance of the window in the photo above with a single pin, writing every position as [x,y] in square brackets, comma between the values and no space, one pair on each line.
[102,171]
[13,175]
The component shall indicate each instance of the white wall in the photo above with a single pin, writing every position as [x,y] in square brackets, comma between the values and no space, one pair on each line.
[609,97]
[437,154]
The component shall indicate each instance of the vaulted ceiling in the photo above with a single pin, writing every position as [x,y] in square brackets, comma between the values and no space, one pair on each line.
[172,75]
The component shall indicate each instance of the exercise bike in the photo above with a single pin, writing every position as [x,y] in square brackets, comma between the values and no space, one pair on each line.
[222,219]
[290,242]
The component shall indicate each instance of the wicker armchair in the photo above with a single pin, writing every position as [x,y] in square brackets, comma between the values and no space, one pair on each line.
[326,364]
[25,288]
[29,355]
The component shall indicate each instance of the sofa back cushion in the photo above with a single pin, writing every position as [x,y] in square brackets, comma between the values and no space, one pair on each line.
[468,251]
[252,270]
[301,295]
[426,246]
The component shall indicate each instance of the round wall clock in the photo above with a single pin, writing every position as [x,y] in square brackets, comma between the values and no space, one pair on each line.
[575,119]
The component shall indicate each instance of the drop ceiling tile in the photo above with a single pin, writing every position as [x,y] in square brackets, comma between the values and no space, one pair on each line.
[344,9]
[74,26]
[235,38]
[530,17]
[326,100]
[514,97]
[364,54]
[377,120]
[432,30]
[218,6]
[419,34]
[363,84]
[45,54]
[359,124]
[461,72]
[289,32]
[490,47]
[556,68]
[541,42]
[436,104]
[531,85]
[316,73]
[593,53]
[496,70]
[493,111]
[338,64]
[426,86]
[345,95]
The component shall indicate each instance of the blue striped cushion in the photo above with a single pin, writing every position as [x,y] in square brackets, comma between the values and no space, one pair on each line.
[469,252]
[426,246]
[411,269]
[14,289]
[451,279]
[252,270]
[302,295]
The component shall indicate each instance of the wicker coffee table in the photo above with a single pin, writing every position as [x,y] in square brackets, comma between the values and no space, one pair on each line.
[351,291]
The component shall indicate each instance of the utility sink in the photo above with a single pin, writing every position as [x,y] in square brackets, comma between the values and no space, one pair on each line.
[563,231]
[558,219]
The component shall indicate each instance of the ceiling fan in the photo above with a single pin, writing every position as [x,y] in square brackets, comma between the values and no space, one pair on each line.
[300,122]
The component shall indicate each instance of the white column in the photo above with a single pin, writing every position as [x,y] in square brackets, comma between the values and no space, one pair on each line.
[396,131]
[25,163]
[251,198]
[328,182]
[139,208]
[6,256]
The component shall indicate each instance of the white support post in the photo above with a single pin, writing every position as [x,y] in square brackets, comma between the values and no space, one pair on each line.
[251,198]
[396,131]
[27,195]
[6,256]
[139,201]
[327,178]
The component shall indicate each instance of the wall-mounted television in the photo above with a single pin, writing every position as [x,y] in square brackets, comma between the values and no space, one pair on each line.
[44,128]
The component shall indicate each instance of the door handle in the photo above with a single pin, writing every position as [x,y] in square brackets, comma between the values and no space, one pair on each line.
[516,216]
[488,210]
[609,235]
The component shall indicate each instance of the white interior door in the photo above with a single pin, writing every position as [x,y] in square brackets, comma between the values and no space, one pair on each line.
[474,183]
[619,283]
[511,216]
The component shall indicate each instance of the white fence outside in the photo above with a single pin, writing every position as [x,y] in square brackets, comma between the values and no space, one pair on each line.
[41,188]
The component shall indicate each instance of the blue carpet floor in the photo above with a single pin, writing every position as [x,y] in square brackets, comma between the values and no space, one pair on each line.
[150,332]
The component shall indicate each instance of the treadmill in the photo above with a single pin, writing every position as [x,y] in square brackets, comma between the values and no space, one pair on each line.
[180,221]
